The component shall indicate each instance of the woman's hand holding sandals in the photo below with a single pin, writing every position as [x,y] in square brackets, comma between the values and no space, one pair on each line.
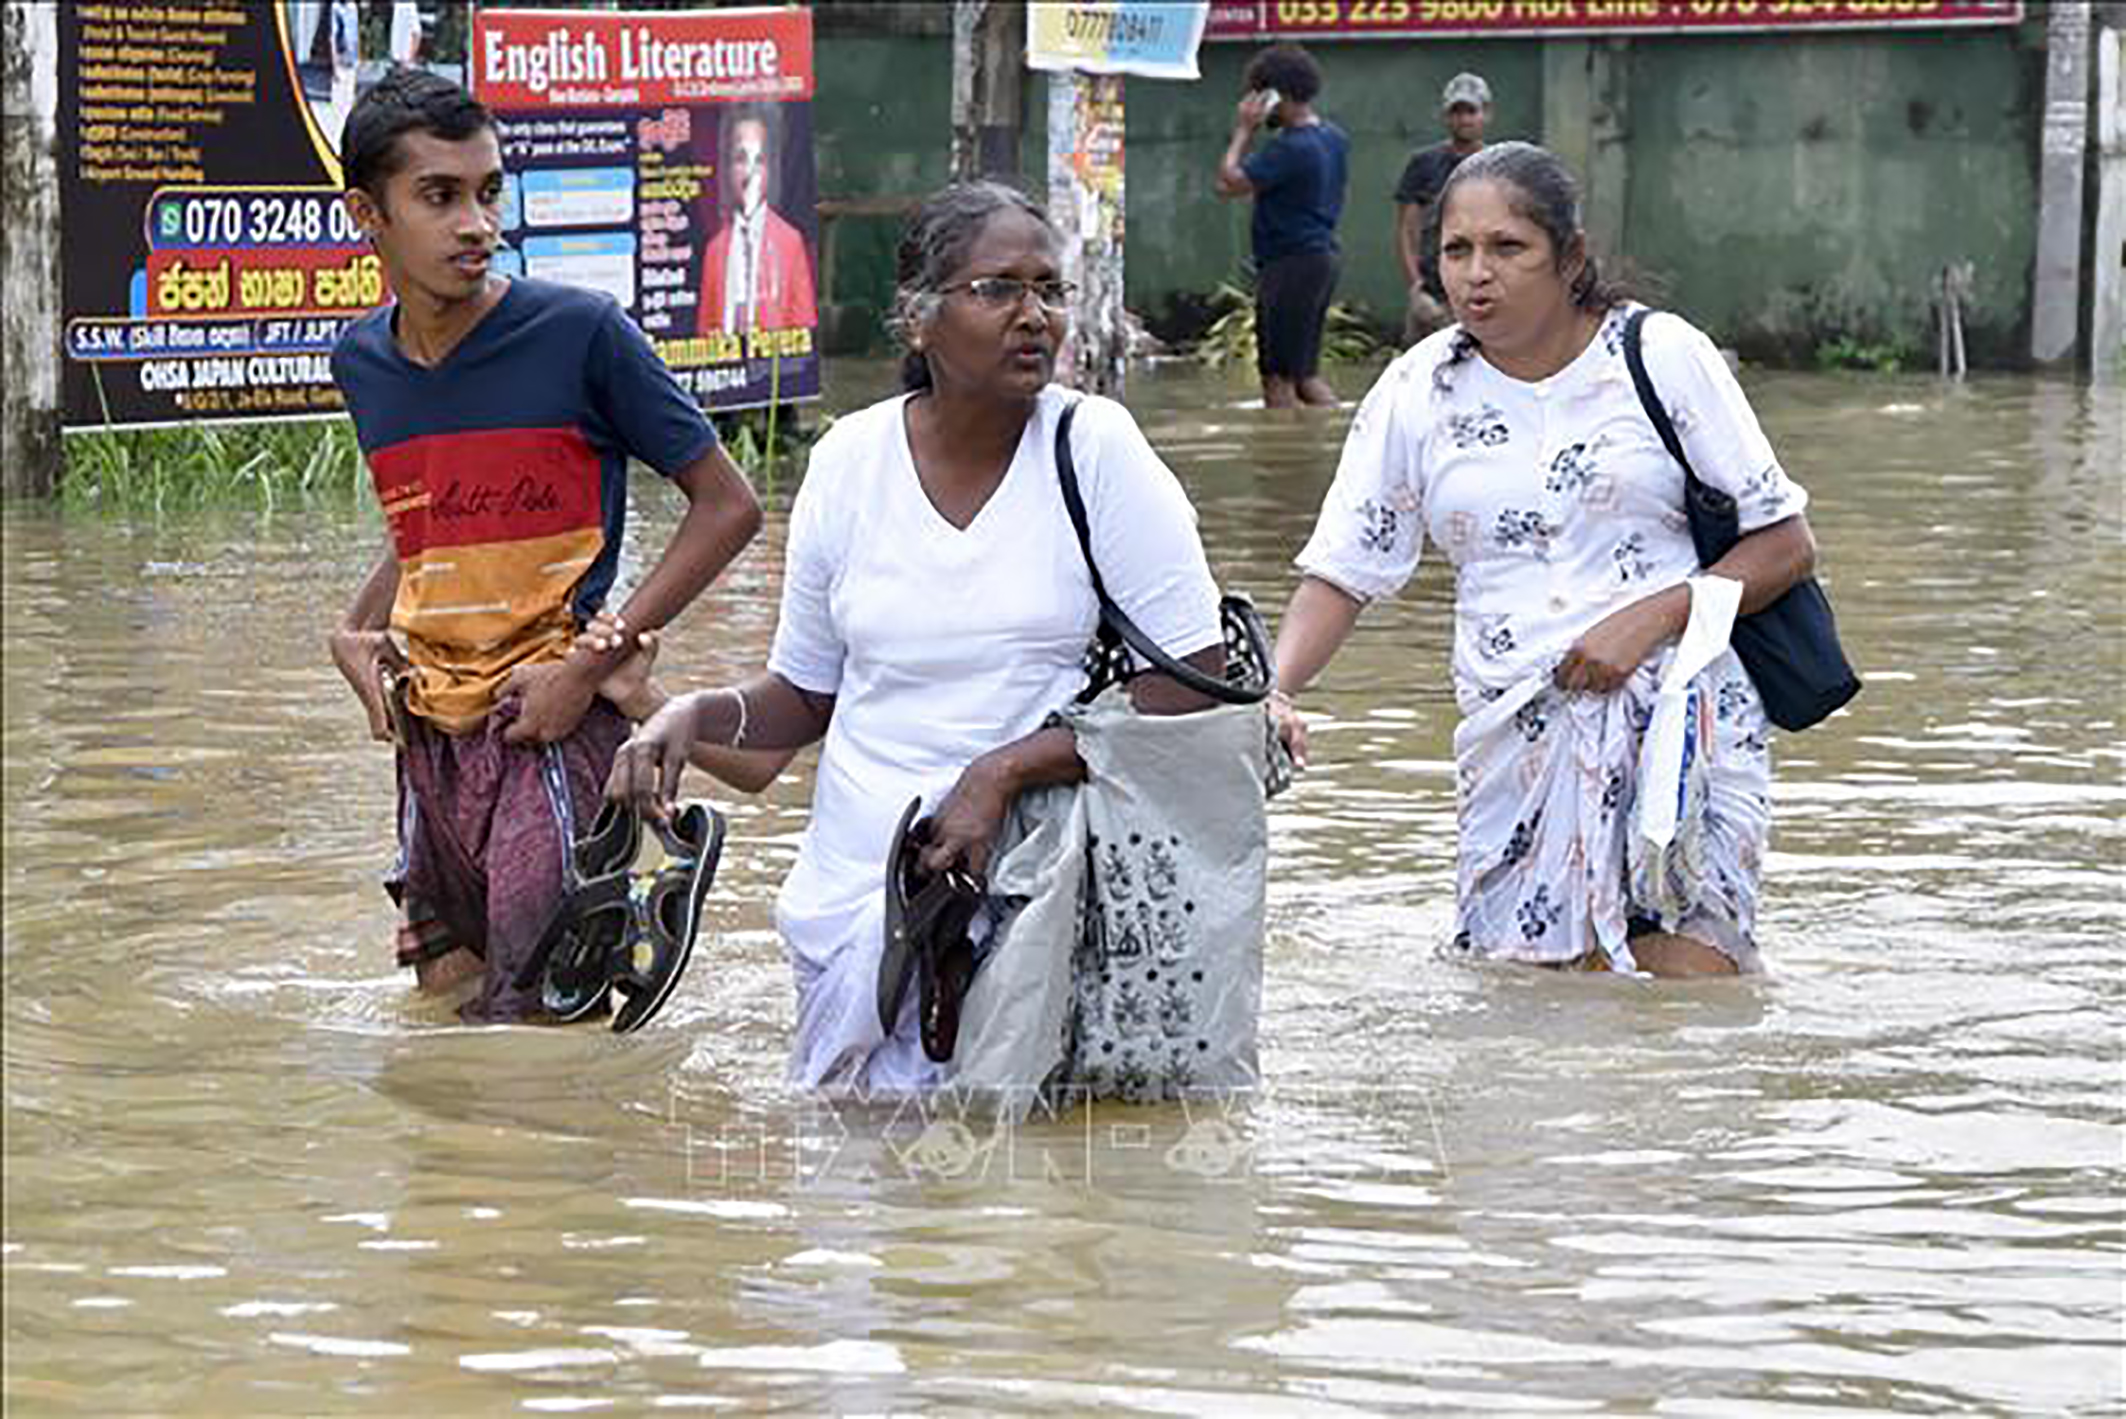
[646,770]
[964,828]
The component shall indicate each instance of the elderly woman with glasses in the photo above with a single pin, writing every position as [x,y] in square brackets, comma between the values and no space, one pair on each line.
[936,608]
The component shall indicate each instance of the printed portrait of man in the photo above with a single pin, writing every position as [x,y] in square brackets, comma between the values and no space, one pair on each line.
[756,273]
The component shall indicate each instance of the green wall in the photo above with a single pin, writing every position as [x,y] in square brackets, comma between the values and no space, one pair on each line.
[1783,190]
[1183,237]
[1801,190]
[881,126]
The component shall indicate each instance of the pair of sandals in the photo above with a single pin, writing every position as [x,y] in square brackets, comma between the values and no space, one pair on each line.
[623,933]
[927,917]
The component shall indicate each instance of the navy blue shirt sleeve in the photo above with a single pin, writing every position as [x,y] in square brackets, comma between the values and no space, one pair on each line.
[1269,165]
[631,389]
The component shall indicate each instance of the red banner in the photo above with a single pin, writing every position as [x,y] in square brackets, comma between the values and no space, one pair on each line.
[528,60]
[664,157]
[1418,19]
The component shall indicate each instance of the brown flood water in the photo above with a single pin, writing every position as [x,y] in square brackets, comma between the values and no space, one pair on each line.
[248,1173]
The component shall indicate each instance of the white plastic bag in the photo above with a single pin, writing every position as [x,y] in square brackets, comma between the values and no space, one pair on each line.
[1676,755]
[1132,965]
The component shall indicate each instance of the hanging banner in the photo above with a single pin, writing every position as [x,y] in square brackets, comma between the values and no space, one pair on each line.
[666,158]
[207,264]
[1153,38]
[1085,199]
[1422,19]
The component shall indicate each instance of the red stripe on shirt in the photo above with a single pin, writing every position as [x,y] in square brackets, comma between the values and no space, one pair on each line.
[487,486]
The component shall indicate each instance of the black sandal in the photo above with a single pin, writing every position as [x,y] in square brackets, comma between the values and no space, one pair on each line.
[927,916]
[947,970]
[572,964]
[667,916]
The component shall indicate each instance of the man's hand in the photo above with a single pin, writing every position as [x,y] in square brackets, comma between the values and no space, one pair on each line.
[628,686]
[551,700]
[362,658]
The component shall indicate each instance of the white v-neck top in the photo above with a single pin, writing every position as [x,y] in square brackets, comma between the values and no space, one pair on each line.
[941,643]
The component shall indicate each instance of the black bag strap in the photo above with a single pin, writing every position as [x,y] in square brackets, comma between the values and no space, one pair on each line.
[1712,513]
[1114,621]
[1649,397]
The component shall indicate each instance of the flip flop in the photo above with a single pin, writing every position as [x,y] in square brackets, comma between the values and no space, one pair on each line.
[946,969]
[897,961]
[667,916]
[927,915]
[572,963]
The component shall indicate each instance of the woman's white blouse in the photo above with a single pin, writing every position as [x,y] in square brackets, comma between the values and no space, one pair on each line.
[940,643]
[1555,500]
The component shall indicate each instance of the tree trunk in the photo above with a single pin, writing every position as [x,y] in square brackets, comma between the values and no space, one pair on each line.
[30,444]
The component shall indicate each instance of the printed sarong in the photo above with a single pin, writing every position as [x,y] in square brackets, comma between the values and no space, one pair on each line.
[484,830]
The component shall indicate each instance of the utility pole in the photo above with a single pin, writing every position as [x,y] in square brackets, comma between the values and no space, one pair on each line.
[2056,294]
[1085,48]
[31,448]
[1085,201]
[2107,325]
[988,88]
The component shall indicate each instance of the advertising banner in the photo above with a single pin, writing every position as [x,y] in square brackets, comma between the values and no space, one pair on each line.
[666,157]
[1418,19]
[207,262]
[1153,38]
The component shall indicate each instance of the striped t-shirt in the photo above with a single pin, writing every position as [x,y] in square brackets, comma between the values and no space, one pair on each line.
[502,472]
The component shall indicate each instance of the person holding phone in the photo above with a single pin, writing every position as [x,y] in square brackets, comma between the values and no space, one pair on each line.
[1297,180]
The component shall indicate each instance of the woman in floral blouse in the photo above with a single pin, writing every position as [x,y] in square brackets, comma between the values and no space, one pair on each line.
[1515,442]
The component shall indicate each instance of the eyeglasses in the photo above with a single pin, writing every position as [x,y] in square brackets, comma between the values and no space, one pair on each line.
[1006,292]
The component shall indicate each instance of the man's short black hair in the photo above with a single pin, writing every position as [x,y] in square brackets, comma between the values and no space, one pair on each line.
[1288,69]
[406,100]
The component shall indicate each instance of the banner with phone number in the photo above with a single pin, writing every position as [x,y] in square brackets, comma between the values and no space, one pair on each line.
[1416,19]
[1154,39]
[207,264]
[666,158]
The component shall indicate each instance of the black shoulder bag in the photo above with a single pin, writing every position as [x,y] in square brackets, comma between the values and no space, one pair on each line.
[1790,648]
[1248,675]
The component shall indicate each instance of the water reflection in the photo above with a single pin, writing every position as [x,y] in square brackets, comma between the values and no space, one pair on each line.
[248,1173]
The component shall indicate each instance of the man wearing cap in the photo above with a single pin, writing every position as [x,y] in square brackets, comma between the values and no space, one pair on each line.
[1465,108]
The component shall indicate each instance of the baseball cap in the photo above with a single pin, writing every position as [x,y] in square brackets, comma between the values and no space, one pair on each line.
[1466,88]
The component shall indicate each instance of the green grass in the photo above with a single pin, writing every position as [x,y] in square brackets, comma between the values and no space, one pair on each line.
[1348,336]
[1847,352]
[212,465]
[265,465]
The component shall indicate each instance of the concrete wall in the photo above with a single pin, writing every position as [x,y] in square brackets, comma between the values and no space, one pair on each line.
[1802,190]
[1788,190]
[881,128]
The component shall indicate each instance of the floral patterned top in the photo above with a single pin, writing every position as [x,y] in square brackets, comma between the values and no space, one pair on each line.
[1555,500]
